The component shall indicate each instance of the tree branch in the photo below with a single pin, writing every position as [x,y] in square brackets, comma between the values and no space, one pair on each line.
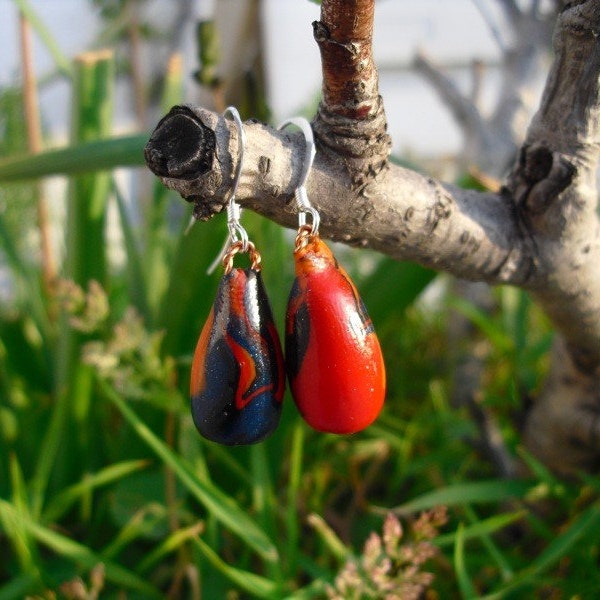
[463,109]
[511,10]
[482,144]
[345,36]
[541,232]
[554,184]
[563,141]
[350,125]
[490,21]
[400,213]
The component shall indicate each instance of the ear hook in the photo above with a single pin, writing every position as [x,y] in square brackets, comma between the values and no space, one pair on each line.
[237,233]
[303,204]
[234,211]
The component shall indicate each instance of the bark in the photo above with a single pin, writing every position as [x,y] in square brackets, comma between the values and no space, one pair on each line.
[490,142]
[540,232]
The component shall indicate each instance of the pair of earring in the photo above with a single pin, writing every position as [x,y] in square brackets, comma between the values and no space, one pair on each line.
[332,355]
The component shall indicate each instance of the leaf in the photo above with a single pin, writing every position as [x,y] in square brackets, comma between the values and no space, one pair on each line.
[219,504]
[143,524]
[22,542]
[494,490]
[329,537]
[27,277]
[85,157]
[292,518]
[77,552]
[465,584]
[19,587]
[50,444]
[586,525]
[488,326]
[394,285]
[190,289]
[485,527]
[250,582]
[134,265]
[539,470]
[171,544]
[502,562]
[63,501]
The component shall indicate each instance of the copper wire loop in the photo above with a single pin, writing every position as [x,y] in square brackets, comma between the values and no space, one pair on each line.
[238,247]
[304,235]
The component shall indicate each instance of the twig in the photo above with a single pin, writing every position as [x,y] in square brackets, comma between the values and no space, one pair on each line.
[492,25]
[463,109]
[511,9]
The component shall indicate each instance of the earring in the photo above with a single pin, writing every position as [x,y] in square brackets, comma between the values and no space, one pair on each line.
[333,358]
[238,376]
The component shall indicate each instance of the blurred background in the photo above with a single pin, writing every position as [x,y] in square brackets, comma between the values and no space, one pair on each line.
[106,489]
[452,34]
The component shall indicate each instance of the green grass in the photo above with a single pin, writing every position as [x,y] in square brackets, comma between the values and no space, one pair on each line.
[100,463]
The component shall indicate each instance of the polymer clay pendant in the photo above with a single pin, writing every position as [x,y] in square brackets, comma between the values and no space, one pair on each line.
[238,375]
[334,362]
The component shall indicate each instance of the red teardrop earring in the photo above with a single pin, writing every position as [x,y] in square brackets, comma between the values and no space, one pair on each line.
[334,362]
[238,376]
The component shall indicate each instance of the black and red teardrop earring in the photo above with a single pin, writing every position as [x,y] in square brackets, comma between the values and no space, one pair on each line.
[238,376]
[334,362]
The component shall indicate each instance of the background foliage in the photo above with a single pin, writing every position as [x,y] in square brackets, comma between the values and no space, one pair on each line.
[106,488]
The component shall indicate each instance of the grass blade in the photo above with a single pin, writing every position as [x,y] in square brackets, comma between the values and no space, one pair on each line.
[171,544]
[43,33]
[78,158]
[402,281]
[141,524]
[157,248]
[496,555]
[22,542]
[190,288]
[221,506]
[49,449]
[329,537]
[250,582]
[92,120]
[27,278]
[63,501]
[292,523]
[77,552]
[467,589]
[264,503]
[494,490]
[22,586]
[484,322]
[485,527]
[587,525]
[137,281]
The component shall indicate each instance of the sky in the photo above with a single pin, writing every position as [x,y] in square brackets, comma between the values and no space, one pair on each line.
[447,31]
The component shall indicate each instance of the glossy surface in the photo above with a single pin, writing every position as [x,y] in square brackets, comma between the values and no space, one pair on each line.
[238,376]
[333,358]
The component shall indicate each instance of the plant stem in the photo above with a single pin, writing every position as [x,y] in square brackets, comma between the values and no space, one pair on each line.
[34,142]
[135,57]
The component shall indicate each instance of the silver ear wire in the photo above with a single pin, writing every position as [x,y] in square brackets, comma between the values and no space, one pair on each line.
[237,233]
[302,202]
[234,211]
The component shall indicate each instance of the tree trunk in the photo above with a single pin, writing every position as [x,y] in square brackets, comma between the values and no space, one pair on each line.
[540,232]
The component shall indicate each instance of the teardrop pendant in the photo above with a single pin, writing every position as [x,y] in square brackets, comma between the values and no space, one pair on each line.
[333,358]
[238,376]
